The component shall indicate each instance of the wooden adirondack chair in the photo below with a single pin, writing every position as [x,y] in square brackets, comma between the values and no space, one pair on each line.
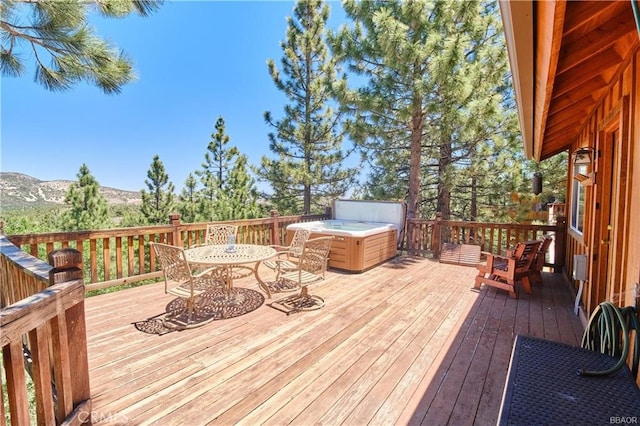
[504,271]
[538,260]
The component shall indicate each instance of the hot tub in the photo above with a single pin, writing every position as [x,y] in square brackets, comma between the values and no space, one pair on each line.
[366,233]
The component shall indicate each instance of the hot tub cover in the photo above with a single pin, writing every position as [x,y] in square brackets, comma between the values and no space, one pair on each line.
[370,211]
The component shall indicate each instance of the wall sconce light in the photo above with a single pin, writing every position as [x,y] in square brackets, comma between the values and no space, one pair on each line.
[583,156]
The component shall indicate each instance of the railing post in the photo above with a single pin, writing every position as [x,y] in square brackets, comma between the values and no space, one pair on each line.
[67,266]
[174,219]
[560,242]
[436,235]
[329,212]
[275,230]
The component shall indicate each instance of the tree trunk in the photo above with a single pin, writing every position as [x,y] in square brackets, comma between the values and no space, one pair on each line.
[474,198]
[413,196]
[444,195]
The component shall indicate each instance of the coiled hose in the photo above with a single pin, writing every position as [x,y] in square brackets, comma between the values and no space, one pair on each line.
[608,332]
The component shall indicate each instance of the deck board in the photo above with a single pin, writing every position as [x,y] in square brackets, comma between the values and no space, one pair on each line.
[407,342]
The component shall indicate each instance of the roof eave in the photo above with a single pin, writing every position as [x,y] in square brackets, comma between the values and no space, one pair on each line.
[519,15]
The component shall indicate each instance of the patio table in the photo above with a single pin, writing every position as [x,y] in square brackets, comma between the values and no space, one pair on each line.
[241,261]
[543,387]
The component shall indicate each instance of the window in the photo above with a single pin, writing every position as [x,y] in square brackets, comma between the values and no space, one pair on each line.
[578,200]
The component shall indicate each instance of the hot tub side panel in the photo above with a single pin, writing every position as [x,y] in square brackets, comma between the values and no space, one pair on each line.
[357,254]
[379,248]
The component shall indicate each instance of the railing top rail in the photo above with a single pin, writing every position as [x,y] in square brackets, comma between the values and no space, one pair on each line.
[27,263]
[41,306]
[53,237]
[469,224]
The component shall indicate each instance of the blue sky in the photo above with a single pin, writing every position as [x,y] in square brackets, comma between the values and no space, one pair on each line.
[195,61]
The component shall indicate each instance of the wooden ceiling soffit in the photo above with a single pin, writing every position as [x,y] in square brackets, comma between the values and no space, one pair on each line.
[549,22]
[576,110]
[561,129]
[569,103]
[558,146]
[576,113]
[603,65]
[604,37]
[583,17]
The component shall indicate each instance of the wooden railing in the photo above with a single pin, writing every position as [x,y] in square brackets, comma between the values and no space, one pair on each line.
[43,333]
[122,256]
[425,237]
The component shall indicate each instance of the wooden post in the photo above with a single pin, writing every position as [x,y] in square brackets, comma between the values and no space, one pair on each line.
[275,227]
[176,238]
[560,244]
[67,266]
[328,212]
[436,235]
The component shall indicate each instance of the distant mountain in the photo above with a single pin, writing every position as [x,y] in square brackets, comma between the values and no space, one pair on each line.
[18,190]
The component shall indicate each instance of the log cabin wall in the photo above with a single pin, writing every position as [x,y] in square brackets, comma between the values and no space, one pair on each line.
[611,232]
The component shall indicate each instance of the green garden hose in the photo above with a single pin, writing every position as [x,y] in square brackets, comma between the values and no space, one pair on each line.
[608,332]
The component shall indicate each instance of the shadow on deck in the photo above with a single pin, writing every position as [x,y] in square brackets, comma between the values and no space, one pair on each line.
[408,342]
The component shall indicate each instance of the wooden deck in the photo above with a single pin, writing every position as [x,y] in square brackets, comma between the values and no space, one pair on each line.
[408,342]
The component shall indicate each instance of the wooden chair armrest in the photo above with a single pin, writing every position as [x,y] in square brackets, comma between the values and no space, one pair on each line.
[501,257]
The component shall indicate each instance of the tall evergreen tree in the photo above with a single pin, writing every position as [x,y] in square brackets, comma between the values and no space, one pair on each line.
[228,190]
[188,205]
[239,196]
[88,208]
[307,142]
[434,79]
[59,31]
[158,202]
[217,163]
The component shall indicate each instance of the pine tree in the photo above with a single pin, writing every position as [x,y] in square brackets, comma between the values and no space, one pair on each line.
[158,203]
[433,89]
[228,191]
[188,205]
[59,30]
[217,163]
[307,142]
[239,196]
[88,208]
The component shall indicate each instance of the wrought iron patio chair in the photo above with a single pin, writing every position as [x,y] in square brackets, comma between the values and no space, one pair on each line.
[180,281]
[310,269]
[218,233]
[288,256]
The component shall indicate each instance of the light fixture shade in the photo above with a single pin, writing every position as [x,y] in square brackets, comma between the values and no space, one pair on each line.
[536,183]
[582,156]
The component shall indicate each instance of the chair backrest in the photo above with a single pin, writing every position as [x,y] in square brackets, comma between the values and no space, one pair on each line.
[297,242]
[218,234]
[538,261]
[315,254]
[525,253]
[173,262]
